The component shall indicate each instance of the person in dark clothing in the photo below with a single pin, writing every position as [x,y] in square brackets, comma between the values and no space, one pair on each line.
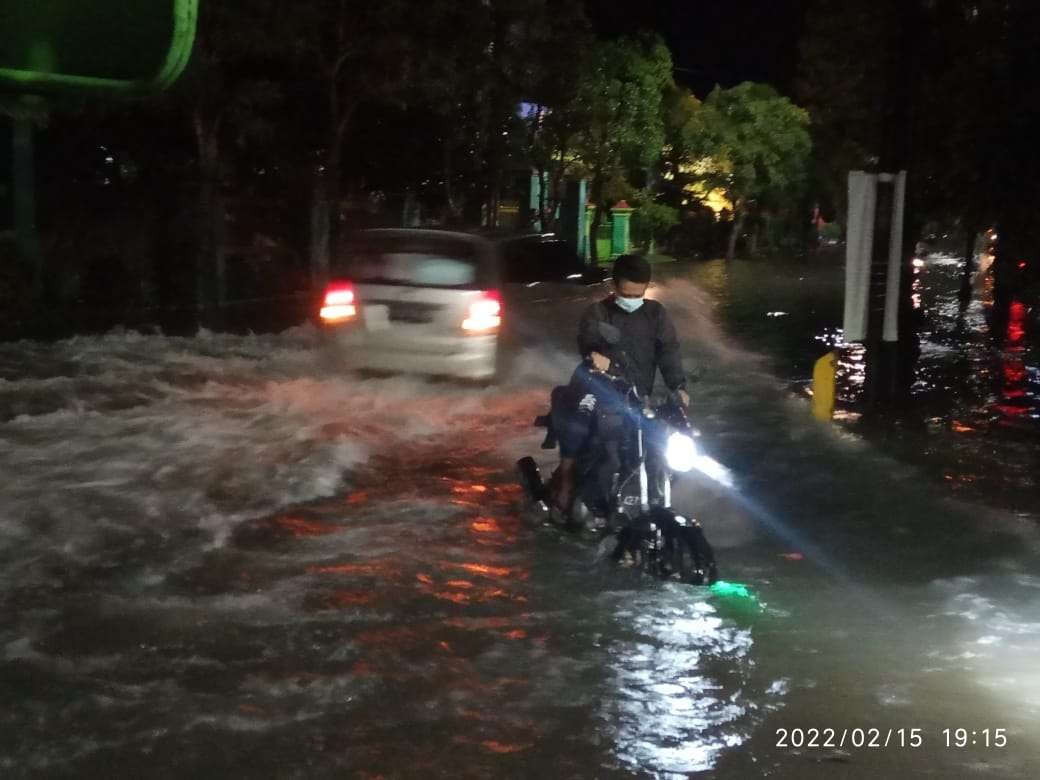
[587,408]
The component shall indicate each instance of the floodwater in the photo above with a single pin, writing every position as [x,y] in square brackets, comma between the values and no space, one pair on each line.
[974,417]
[220,557]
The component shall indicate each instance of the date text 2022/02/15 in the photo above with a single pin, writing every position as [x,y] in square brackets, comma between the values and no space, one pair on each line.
[872,737]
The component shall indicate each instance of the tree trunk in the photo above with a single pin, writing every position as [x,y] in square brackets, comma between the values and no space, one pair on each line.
[325,198]
[543,218]
[24,180]
[493,184]
[501,107]
[451,210]
[318,251]
[495,197]
[320,228]
[210,271]
[738,227]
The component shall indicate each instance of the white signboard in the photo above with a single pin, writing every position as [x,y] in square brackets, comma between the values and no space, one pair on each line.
[859,248]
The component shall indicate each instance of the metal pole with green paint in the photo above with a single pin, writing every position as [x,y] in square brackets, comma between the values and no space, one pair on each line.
[55,48]
[32,49]
[620,221]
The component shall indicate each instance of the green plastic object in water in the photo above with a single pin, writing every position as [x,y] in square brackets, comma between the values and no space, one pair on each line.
[113,47]
[733,590]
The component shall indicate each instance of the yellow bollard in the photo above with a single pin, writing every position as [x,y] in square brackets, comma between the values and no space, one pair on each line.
[823,386]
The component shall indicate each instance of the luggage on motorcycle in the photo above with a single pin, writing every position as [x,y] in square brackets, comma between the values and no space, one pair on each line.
[531,480]
[545,421]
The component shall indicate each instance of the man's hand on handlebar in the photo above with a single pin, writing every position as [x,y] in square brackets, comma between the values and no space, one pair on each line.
[683,397]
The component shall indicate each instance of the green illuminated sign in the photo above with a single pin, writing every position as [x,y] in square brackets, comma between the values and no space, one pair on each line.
[107,46]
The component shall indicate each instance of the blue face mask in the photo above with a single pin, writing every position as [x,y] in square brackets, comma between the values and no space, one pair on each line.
[628,304]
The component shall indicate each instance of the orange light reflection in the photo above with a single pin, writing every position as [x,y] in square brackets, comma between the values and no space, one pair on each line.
[381,567]
[346,598]
[502,747]
[302,527]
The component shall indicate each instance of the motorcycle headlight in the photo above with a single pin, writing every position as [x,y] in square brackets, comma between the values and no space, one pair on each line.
[680,452]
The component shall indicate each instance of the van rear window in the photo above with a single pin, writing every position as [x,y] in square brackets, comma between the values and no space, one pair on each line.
[420,269]
[421,264]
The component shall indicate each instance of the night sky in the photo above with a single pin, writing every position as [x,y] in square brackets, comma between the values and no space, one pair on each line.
[714,41]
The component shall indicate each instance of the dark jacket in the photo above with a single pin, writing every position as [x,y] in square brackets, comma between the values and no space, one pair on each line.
[648,339]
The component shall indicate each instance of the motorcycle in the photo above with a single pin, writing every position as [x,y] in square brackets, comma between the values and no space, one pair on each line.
[656,444]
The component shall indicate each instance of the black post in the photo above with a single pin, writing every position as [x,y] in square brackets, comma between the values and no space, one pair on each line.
[877,387]
[967,270]
[915,28]
[889,365]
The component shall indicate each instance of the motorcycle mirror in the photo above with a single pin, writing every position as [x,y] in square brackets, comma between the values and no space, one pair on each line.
[609,333]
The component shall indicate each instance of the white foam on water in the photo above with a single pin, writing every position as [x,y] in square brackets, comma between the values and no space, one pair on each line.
[700,332]
[994,621]
[206,432]
[944,258]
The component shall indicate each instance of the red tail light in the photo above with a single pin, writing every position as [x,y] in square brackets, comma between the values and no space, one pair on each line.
[338,304]
[485,313]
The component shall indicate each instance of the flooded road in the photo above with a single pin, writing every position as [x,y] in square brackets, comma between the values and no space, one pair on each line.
[974,417]
[219,556]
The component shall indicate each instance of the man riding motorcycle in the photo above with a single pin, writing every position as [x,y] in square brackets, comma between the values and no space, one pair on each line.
[587,412]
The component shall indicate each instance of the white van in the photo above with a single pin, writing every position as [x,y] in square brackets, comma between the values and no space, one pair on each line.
[422,301]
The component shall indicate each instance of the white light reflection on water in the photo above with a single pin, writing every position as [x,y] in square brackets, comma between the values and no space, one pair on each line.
[998,629]
[677,708]
[852,358]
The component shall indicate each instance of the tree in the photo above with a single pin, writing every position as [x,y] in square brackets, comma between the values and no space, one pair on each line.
[651,219]
[841,84]
[760,142]
[684,145]
[552,115]
[487,60]
[353,54]
[224,94]
[978,166]
[619,102]
[973,160]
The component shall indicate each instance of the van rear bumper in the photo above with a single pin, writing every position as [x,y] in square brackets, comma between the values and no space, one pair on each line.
[465,357]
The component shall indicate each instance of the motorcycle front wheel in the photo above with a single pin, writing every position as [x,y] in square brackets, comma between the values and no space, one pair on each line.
[669,547]
[689,557]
